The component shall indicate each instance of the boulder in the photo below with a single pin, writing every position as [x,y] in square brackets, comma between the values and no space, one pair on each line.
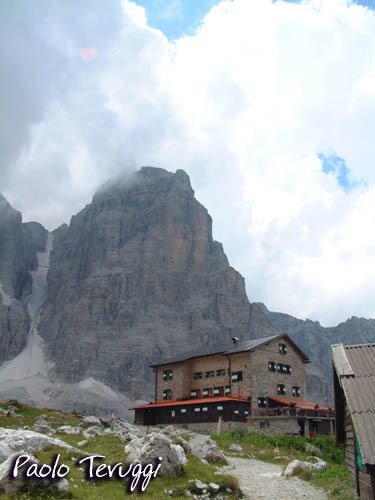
[91,420]
[310,448]
[5,452]
[29,441]
[41,425]
[11,486]
[205,448]
[149,448]
[92,432]
[235,447]
[296,466]
[68,429]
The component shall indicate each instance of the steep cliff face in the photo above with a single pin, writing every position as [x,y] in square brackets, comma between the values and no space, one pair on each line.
[18,246]
[137,276]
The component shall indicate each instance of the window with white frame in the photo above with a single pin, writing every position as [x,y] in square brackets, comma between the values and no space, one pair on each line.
[236,376]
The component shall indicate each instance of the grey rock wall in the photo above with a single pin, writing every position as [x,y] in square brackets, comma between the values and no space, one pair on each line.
[17,257]
[137,276]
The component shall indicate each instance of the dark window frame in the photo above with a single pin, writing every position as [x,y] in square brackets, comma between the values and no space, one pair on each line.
[283,348]
[167,395]
[239,377]
[168,374]
[281,389]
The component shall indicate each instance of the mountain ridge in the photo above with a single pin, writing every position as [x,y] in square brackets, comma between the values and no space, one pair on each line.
[135,276]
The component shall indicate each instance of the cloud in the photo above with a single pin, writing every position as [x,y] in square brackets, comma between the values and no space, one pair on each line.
[260,106]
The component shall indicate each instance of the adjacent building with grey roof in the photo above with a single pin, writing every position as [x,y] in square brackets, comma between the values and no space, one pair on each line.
[354,385]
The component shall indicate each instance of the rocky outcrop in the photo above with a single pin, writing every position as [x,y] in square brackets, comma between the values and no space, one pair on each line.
[137,276]
[153,447]
[18,246]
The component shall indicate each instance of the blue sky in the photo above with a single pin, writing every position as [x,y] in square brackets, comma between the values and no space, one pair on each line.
[176,18]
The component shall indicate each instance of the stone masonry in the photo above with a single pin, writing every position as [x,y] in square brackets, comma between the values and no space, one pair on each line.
[257,379]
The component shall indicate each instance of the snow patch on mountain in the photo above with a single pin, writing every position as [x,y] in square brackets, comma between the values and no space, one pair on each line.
[7,301]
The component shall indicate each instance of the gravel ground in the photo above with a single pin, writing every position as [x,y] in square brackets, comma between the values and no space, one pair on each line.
[263,480]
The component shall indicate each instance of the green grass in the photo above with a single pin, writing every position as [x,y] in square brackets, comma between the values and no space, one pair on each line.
[113,450]
[335,479]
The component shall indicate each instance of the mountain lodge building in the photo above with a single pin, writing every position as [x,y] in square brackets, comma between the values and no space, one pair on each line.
[252,382]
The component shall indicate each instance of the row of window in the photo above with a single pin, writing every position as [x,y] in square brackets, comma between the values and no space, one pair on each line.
[296,392]
[235,376]
[211,373]
[220,391]
[210,391]
[283,349]
[279,367]
[198,409]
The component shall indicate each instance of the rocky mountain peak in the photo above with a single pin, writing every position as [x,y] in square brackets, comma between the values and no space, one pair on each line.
[137,276]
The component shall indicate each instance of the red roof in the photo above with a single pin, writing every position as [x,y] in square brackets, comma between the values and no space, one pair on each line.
[298,403]
[195,401]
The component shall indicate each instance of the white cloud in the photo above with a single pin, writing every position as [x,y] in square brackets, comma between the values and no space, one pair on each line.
[245,106]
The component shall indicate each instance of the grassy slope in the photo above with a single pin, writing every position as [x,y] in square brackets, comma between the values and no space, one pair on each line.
[113,449]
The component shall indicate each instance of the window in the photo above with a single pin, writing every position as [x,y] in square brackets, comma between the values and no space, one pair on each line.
[219,408]
[209,374]
[220,372]
[236,376]
[204,408]
[283,348]
[288,369]
[280,368]
[281,389]
[173,413]
[271,366]
[246,412]
[296,391]
[167,394]
[261,402]
[197,409]
[227,389]
[197,375]
[193,393]
[183,410]
[167,375]
[218,391]
[205,392]
[236,412]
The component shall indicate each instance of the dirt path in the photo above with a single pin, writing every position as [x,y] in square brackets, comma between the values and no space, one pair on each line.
[264,480]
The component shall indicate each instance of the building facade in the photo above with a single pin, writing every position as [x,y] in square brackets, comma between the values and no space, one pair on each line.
[256,368]
[233,383]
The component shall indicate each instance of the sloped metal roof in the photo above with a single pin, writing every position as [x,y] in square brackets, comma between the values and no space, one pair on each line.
[358,383]
[186,402]
[246,345]
[298,403]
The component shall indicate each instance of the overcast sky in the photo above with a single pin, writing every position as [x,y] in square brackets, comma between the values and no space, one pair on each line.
[269,107]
